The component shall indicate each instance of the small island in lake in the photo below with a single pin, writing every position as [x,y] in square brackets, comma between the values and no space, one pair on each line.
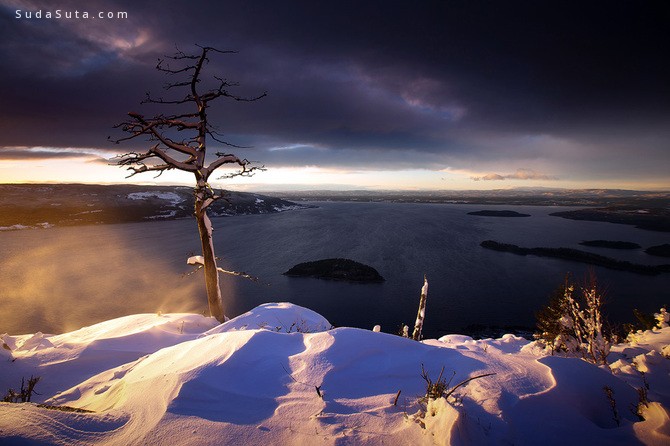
[610,244]
[336,269]
[660,250]
[489,213]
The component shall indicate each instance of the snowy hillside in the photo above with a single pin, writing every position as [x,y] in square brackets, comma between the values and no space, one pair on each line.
[281,375]
[34,206]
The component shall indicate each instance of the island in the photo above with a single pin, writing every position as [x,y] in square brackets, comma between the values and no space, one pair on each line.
[578,256]
[612,244]
[648,218]
[659,250]
[336,269]
[488,213]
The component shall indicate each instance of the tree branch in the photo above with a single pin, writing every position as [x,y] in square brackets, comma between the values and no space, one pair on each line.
[214,134]
[160,128]
[462,383]
[151,100]
[214,94]
[183,165]
[225,158]
[151,125]
[247,171]
[135,163]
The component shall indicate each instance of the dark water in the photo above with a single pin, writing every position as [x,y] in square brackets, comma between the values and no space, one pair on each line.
[57,279]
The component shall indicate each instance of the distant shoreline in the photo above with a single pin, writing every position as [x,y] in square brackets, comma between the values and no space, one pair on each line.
[504,214]
[41,206]
[651,219]
[46,205]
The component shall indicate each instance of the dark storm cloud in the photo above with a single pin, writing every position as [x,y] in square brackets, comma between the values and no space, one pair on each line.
[423,84]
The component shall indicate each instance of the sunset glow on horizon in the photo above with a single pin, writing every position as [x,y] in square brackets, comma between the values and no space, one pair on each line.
[93,170]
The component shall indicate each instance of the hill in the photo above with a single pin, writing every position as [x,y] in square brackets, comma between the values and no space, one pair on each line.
[280,374]
[41,205]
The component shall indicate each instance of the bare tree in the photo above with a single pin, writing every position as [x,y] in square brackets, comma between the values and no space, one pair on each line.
[169,150]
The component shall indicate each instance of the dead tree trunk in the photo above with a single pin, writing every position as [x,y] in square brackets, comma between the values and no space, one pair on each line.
[211,274]
[421,314]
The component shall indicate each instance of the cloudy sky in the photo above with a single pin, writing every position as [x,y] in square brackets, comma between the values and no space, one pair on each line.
[360,94]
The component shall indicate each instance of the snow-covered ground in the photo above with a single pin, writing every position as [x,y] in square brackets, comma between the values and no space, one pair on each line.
[172,197]
[44,225]
[281,374]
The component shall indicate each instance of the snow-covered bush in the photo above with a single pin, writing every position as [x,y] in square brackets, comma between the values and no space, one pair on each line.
[548,321]
[643,321]
[662,318]
[574,323]
[646,322]
[598,343]
[558,323]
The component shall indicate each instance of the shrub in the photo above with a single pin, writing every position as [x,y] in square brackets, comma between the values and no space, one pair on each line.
[441,388]
[548,319]
[12,396]
[574,322]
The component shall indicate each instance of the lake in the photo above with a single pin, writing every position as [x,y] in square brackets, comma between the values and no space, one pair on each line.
[60,279]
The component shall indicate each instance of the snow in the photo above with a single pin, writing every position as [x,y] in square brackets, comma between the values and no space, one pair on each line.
[280,374]
[280,317]
[287,207]
[195,260]
[14,227]
[43,225]
[172,197]
[163,214]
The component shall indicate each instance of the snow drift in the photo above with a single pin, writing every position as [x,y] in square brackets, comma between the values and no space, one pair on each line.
[280,374]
